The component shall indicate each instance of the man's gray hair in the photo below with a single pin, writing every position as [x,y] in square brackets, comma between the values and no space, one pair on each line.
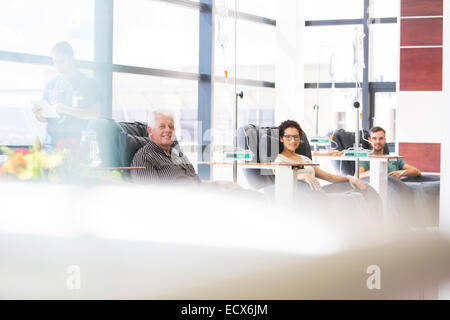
[165,113]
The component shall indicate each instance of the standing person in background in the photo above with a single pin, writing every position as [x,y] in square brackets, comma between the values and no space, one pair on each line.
[74,96]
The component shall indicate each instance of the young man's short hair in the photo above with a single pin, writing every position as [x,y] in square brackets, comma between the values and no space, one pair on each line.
[377,129]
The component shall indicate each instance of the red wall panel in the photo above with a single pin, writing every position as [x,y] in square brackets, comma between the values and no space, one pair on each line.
[424,156]
[421,69]
[421,32]
[418,8]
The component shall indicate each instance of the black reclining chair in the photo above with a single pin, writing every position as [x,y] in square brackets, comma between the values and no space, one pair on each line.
[264,142]
[119,141]
[424,189]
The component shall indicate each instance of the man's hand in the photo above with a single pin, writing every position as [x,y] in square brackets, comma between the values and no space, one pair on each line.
[38,113]
[397,174]
[355,182]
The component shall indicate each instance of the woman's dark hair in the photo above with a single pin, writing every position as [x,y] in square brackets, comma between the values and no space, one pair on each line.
[288,124]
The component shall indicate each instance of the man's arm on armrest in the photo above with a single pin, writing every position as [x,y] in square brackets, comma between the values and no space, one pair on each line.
[411,172]
[407,171]
[145,176]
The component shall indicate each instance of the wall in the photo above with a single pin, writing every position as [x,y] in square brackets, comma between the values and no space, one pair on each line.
[420,96]
[444,218]
[445,153]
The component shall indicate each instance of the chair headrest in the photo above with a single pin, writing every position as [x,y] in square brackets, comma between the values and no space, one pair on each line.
[346,139]
[135,128]
[264,142]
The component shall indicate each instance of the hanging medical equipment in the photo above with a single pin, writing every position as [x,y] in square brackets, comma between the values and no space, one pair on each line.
[358,65]
[222,13]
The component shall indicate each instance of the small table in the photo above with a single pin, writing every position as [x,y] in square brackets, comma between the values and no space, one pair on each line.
[285,176]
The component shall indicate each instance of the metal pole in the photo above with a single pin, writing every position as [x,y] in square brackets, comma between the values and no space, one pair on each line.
[365,82]
[357,105]
[316,109]
[235,139]
[357,130]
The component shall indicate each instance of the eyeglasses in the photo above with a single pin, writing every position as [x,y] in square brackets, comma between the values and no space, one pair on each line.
[290,137]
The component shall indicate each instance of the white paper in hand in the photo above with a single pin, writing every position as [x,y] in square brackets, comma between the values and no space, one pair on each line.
[47,110]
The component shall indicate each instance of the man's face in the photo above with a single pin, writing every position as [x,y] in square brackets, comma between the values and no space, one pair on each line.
[162,132]
[63,63]
[378,140]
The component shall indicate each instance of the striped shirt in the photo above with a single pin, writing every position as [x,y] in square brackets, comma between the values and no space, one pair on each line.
[161,168]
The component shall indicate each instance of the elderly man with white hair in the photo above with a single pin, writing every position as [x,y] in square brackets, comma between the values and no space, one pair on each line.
[163,160]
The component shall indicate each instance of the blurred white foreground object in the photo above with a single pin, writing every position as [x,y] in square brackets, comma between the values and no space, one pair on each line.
[133,242]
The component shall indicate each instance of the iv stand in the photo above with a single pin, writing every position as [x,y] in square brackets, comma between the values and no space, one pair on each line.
[356,104]
[316,109]
[235,130]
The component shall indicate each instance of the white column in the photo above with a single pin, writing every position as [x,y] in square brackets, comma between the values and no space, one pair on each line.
[444,214]
[444,118]
[289,74]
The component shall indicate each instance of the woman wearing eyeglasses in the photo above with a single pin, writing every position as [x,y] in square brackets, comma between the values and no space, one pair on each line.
[290,134]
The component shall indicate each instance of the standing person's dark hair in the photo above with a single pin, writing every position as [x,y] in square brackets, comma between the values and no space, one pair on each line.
[288,124]
[63,48]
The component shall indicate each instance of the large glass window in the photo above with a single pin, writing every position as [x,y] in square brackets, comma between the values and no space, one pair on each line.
[255,60]
[329,53]
[19,85]
[386,113]
[156,35]
[257,107]
[35,26]
[330,57]
[336,109]
[332,9]
[147,34]
[256,50]
[136,96]
[264,8]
